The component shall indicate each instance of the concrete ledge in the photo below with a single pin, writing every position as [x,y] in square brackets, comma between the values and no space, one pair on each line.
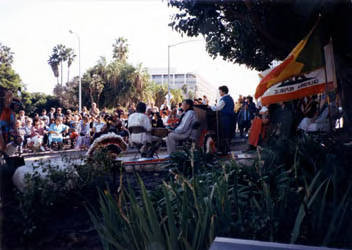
[221,243]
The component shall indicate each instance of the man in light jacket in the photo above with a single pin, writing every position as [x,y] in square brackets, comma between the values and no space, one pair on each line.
[184,129]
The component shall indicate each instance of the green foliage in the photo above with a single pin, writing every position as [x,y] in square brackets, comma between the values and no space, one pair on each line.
[60,186]
[157,93]
[109,83]
[116,82]
[9,78]
[177,96]
[272,199]
[41,195]
[256,32]
[6,55]
[120,49]
[36,102]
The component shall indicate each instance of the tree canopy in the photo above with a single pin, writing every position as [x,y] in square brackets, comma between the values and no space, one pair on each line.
[8,77]
[6,55]
[257,32]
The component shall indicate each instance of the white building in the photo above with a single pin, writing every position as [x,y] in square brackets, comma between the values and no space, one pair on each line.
[192,82]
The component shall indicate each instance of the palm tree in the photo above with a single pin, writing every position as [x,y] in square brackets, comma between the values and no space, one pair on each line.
[54,62]
[120,49]
[70,58]
[62,51]
[96,87]
[177,96]
[57,58]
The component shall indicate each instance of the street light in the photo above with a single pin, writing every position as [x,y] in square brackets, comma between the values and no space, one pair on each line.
[79,70]
[168,65]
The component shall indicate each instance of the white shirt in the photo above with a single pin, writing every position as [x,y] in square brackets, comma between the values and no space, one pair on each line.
[220,105]
[163,106]
[98,126]
[140,120]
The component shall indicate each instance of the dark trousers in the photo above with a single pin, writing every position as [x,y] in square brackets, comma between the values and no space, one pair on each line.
[244,126]
[227,124]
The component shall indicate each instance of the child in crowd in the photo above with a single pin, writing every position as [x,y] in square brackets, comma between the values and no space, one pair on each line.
[55,132]
[21,133]
[98,126]
[83,140]
[35,142]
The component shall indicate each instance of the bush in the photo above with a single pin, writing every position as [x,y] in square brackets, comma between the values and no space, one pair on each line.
[297,191]
[62,187]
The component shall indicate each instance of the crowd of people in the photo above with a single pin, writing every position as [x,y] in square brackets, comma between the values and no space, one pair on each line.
[57,129]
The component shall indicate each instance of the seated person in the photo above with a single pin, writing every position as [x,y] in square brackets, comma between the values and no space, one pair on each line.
[157,121]
[140,127]
[172,120]
[73,129]
[28,130]
[319,122]
[98,126]
[83,139]
[184,129]
[56,130]
[35,141]
[258,128]
[114,124]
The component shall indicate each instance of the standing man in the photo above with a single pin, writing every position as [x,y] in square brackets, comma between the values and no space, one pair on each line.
[225,106]
[94,111]
[52,113]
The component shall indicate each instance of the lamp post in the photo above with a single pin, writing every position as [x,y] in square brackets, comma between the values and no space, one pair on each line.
[79,70]
[168,65]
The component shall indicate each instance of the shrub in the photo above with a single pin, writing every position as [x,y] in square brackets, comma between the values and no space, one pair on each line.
[60,188]
[296,191]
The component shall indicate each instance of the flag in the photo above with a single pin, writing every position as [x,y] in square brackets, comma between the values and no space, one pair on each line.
[305,57]
[317,81]
[296,87]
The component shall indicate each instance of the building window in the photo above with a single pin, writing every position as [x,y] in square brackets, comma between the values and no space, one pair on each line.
[155,77]
[191,81]
[179,76]
[190,76]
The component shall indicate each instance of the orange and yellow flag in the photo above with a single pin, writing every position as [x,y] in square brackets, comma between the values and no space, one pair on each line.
[306,56]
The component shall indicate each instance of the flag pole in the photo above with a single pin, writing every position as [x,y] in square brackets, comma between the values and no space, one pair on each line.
[329,56]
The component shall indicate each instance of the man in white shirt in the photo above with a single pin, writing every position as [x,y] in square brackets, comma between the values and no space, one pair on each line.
[140,127]
[184,129]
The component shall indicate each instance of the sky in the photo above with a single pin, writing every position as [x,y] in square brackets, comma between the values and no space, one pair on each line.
[32,28]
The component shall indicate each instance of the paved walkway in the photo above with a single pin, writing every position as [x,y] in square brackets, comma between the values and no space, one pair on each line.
[238,145]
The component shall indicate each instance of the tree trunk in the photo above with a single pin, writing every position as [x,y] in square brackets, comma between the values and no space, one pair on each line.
[68,74]
[91,96]
[62,70]
[344,80]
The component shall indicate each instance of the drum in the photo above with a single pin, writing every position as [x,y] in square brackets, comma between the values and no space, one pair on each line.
[160,132]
